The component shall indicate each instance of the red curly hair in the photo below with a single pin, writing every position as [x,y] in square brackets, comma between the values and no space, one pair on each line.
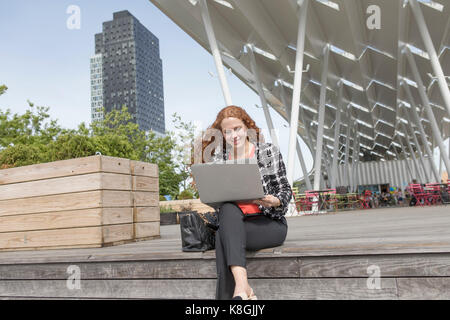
[207,137]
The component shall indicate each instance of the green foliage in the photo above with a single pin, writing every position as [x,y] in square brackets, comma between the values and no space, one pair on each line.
[30,128]
[3,88]
[162,198]
[183,150]
[32,138]
[164,209]
[185,194]
[23,154]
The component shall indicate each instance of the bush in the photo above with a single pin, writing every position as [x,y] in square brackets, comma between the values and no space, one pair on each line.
[185,194]
[162,198]
[166,209]
[22,155]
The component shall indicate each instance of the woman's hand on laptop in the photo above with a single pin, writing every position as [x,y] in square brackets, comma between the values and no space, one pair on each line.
[268,201]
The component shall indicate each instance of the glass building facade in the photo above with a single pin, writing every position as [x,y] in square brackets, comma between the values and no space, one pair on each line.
[96,87]
[131,71]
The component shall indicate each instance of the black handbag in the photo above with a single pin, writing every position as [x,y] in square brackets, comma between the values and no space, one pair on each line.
[198,231]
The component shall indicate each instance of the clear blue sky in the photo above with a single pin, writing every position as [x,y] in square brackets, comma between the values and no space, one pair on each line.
[43,61]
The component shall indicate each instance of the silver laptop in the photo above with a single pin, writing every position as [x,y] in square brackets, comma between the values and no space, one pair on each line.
[231,180]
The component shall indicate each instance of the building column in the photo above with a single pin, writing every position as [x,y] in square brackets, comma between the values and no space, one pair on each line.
[422,161]
[426,103]
[421,129]
[356,173]
[413,156]
[347,150]
[297,90]
[321,120]
[262,96]
[328,163]
[406,159]
[435,63]
[354,156]
[337,128]
[299,151]
[215,51]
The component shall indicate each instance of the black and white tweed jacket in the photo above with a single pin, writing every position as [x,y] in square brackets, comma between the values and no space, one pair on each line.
[273,178]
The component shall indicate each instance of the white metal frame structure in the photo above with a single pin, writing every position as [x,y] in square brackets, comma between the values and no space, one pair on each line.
[359,53]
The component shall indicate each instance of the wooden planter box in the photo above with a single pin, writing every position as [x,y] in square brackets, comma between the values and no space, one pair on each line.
[85,202]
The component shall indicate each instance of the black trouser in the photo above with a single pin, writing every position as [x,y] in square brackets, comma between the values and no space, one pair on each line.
[238,233]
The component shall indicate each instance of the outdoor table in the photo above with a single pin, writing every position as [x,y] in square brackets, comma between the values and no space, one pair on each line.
[352,198]
[341,201]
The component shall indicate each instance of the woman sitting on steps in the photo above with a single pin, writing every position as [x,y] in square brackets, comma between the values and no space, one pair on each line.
[253,225]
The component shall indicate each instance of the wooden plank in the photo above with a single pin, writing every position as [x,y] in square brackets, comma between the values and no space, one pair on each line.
[273,268]
[73,237]
[188,204]
[139,168]
[141,183]
[123,289]
[146,229]
[64,168]
[68,201]
[48,170]
[115,165]
[111,198]
[175,269]
[424,288]
[354,248]
[265,289]
[116,233]
[111,181]
[405,265]
[51,220]
[146,214]
[171,269]
[80,183]
[46,249]
[322,289]
[51,238]
[117,216]
[145,199]
[87,254]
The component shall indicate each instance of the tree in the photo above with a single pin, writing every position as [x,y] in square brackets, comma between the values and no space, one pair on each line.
[183,149]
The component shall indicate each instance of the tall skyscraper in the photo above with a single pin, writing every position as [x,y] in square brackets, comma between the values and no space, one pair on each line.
[130,73]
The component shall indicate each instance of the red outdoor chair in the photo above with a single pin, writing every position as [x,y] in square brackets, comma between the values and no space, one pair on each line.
[420,195]
[365,199]
[300,200]
[311,198]
[434,192]
[330,198]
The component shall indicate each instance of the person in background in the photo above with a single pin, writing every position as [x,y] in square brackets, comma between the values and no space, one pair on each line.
[400,197]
